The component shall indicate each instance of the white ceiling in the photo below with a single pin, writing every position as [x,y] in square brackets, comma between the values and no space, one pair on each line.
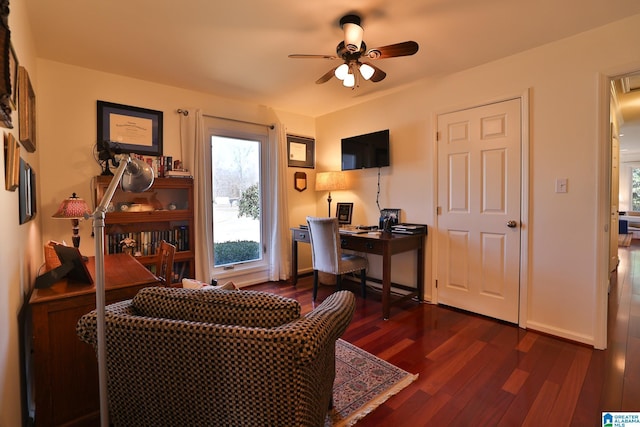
[238,48]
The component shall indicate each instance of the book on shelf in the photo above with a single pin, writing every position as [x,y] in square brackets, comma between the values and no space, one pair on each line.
[147,242]
[178,174]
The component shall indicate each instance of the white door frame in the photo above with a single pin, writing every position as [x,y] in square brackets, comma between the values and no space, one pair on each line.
[524,199]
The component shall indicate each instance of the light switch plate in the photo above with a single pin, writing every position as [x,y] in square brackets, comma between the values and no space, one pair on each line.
[561,185]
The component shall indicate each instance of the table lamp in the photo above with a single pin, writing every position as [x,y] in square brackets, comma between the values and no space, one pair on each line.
[329,181]
[73,208]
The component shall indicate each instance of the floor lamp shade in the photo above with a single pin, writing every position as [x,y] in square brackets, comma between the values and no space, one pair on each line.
[330,181]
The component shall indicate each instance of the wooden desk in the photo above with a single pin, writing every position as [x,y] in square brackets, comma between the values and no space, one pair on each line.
[384,244]
[65,369]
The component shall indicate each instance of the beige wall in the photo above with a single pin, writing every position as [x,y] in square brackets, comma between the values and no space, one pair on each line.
[19,251]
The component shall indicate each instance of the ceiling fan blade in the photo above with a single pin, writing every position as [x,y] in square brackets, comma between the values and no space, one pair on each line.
[393,50]
[378,74]
[327,76]
[305,56]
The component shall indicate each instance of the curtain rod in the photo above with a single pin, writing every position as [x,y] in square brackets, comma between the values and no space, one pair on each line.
[186,113]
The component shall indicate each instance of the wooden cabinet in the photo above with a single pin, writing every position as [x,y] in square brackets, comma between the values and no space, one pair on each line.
[65,370]
[164,212]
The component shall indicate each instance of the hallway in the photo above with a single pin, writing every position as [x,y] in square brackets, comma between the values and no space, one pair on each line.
[621,388]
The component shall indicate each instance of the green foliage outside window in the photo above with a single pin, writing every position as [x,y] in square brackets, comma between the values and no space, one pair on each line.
[234,252]
[249,205]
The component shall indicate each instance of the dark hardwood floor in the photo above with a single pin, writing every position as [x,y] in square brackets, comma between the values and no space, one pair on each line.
[476,371]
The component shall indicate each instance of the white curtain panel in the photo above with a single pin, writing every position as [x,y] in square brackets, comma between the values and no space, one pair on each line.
[279,253]
[202,198]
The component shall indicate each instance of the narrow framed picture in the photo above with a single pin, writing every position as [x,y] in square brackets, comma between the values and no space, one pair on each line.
[132,129]
[11,162]
[26,111]
[13,76]
[301,151]
[344,211]
[27,193]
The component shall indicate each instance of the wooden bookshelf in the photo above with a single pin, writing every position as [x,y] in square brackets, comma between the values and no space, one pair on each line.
[164,212]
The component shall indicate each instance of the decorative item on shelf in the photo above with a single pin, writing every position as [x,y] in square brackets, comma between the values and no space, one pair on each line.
[128,245]
[330,181]
[73,208]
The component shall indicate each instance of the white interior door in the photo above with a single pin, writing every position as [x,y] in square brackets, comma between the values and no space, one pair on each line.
[615,200]
[479,203]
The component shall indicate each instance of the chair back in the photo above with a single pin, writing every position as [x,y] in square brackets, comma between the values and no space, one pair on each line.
[164,262]
[325,244]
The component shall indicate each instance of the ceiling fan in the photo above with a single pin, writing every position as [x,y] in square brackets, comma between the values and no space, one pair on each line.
[353,51]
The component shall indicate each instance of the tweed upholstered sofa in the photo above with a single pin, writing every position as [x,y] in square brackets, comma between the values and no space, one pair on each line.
[184,357]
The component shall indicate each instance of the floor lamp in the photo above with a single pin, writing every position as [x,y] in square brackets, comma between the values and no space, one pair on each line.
[329,181]
[136,177]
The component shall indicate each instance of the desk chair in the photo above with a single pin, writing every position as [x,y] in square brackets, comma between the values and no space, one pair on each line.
[327,256]
[164,263]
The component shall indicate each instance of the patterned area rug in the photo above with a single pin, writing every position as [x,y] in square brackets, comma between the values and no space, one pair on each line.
[363,382]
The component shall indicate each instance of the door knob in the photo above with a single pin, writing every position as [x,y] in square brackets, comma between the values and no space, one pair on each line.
[512,224]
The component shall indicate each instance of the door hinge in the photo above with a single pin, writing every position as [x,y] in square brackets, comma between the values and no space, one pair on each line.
[437,136]
[436,284]
[438,210]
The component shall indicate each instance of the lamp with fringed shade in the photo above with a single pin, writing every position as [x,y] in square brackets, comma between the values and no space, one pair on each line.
[329,181]
[73,208]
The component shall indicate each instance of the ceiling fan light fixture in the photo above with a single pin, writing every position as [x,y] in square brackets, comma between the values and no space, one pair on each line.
[349,80]
[353,36]
[353,32]
[342,71]
[366,71]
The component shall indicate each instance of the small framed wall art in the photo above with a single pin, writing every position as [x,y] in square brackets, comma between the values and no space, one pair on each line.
[133,129]
[344,212]
[301,151]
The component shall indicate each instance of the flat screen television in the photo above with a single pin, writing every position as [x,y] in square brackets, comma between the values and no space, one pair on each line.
[370,150]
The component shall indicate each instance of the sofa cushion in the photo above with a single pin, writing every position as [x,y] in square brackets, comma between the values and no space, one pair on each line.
[246,308]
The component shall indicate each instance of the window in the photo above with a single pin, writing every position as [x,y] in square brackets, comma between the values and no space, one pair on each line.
[238,201]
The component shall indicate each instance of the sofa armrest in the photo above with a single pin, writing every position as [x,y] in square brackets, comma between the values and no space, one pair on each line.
[225,307]
[321,327]
[86,328]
